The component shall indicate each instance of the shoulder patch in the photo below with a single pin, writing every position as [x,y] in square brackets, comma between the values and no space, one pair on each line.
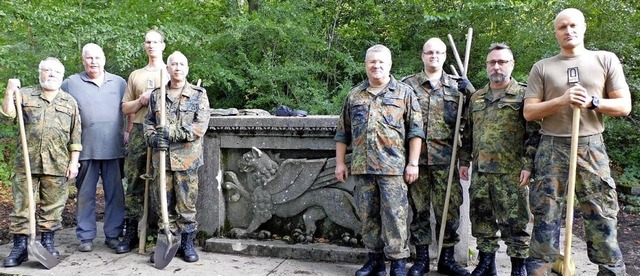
[197,88]
[406,77]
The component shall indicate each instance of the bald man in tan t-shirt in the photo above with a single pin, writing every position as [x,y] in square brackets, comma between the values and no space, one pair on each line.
[593,81]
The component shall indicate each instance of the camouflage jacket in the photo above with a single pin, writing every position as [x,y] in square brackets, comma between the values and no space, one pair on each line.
[498,137]
[378,127]
[439,111]
[53,131]
[188,117]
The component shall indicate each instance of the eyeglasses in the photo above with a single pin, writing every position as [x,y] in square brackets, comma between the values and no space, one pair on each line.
[499,62]
[49,70]
[432,53]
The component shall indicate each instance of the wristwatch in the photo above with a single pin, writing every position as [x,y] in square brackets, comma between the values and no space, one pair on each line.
[595,103]
[413,163]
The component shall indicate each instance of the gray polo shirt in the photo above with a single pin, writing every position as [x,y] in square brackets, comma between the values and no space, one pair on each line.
[101,115]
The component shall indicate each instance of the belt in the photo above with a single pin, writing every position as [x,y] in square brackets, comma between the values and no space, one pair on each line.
[567,140]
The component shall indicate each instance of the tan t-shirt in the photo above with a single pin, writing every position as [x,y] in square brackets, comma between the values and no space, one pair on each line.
[600,72]
[140,81]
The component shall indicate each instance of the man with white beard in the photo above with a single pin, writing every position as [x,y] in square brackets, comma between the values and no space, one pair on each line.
[53,131]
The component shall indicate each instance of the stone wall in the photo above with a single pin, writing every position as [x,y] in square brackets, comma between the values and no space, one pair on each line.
[249,158]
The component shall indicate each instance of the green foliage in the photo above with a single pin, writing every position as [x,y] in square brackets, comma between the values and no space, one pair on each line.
[621,134]
[308,54]
[8,138]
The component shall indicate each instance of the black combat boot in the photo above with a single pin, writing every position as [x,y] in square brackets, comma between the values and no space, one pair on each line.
[448,265]
[518,267]
[398,267]
[375,266]
[18,253]
[187,249]
[47,241]
[421,263]
[486,265]
[130,239]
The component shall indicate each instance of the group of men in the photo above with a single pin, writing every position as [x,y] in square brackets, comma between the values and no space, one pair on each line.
[401,134]
[511,134]
[95,125]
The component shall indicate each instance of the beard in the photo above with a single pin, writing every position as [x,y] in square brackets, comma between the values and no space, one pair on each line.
[50,84]
[497,77]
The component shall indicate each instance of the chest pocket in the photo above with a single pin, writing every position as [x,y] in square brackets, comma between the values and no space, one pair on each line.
[393,111]
[512,103]
[188,110]
[32,111]
[359,111]
[450,108]
[63,116]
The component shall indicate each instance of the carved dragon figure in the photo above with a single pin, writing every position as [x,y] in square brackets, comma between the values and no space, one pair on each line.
[288,189]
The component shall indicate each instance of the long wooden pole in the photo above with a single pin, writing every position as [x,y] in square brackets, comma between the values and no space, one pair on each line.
[454,151]
[573,162]
[455,54]
[467,52]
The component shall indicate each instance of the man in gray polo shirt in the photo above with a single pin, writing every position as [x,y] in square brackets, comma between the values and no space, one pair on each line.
[99,94]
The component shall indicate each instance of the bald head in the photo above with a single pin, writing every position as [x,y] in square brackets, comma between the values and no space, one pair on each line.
[434,54]
[569,29]
[574,14]
[436,43]
[178,68]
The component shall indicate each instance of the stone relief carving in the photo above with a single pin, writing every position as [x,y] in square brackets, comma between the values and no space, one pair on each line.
[294,186]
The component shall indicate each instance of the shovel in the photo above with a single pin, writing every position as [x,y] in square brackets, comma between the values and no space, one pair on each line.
[35,248]
[142,224]
[168,243]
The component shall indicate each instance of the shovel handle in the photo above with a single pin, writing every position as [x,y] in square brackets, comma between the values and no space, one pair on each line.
[573,160]
[454,153]
[467,52]
[162,155]
[27,167]
[142,241]
[456,55]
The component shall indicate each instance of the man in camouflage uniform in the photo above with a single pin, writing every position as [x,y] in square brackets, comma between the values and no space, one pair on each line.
[502,145]
[134,103]
[438,95]
[379,118]
[187,120]
[594,82]
[52,126]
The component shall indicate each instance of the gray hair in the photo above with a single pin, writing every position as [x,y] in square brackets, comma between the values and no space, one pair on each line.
[378,48]
[51,59]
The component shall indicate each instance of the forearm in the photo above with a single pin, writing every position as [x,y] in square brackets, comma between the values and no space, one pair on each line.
[415,144]
[8,105]
[341,151]
[615,107]
[131,107]
[75,155]
[129,122]
[535,109]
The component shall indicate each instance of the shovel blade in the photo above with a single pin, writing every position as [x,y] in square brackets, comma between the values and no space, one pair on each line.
[166,249]
[42,255]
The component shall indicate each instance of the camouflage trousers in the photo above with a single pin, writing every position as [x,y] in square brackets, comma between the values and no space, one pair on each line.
[182,195]
[383,207]
[499,203]
[134,167]
[430,190]
[52,192]
[595,192]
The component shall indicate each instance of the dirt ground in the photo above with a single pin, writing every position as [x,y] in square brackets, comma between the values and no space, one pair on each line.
[628,226]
